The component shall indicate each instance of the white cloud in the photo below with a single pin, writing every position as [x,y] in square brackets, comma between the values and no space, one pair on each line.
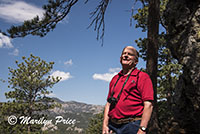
[114,69]
[69,62]
[18,11]
[5,41]
[51,95]
[106,76]
[63,75]
[15,52]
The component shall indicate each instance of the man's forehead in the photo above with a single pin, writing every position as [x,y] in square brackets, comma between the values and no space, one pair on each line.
[129,48]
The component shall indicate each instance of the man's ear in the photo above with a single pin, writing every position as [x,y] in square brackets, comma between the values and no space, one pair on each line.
[136,62]
[120,59]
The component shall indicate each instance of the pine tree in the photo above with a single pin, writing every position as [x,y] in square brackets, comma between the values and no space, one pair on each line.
[95,124]
[29,95]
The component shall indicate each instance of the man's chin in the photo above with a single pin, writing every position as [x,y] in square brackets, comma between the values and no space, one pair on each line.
[126,63]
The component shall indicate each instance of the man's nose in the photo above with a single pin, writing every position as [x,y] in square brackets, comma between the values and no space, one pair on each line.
[125,56]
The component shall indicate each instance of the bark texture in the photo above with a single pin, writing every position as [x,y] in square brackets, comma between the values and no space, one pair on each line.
[152,57]
[183,27]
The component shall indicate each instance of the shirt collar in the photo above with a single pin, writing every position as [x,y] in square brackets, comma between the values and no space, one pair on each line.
[133,73]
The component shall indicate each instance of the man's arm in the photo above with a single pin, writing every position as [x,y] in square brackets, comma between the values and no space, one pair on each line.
[148,108]
[105,129]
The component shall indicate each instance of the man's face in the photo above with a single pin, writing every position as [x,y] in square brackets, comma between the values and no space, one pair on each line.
[128,57]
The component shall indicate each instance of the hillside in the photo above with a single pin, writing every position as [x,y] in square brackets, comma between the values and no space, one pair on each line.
[62,117]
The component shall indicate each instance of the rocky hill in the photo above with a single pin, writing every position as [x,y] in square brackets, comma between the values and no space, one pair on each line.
[71,117]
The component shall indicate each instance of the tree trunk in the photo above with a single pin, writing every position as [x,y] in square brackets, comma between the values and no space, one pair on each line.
[152,56]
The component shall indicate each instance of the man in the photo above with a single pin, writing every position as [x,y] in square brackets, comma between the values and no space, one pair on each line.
[129,102]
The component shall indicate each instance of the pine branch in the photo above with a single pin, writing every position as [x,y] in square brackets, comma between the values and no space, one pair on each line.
[98,18]
[55,11]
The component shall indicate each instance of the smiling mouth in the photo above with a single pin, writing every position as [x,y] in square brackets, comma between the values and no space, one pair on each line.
[125,59]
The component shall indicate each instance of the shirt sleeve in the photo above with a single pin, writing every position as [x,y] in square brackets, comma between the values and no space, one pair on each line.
[109,92]
[110,86]
[145,87]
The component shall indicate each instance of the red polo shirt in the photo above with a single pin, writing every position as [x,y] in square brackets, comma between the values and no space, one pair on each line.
[131,102]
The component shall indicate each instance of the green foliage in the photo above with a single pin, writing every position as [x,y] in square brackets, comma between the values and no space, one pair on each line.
[141,16]
[16,109]
[30,83]
[95,124]
[168,71]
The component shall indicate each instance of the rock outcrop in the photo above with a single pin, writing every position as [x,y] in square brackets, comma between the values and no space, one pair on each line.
[183,30]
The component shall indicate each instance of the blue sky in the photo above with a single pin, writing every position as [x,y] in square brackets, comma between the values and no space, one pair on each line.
[86,66]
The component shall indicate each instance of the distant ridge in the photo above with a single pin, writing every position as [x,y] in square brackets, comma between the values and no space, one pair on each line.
[80,111]
[57,100]
[77,107]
